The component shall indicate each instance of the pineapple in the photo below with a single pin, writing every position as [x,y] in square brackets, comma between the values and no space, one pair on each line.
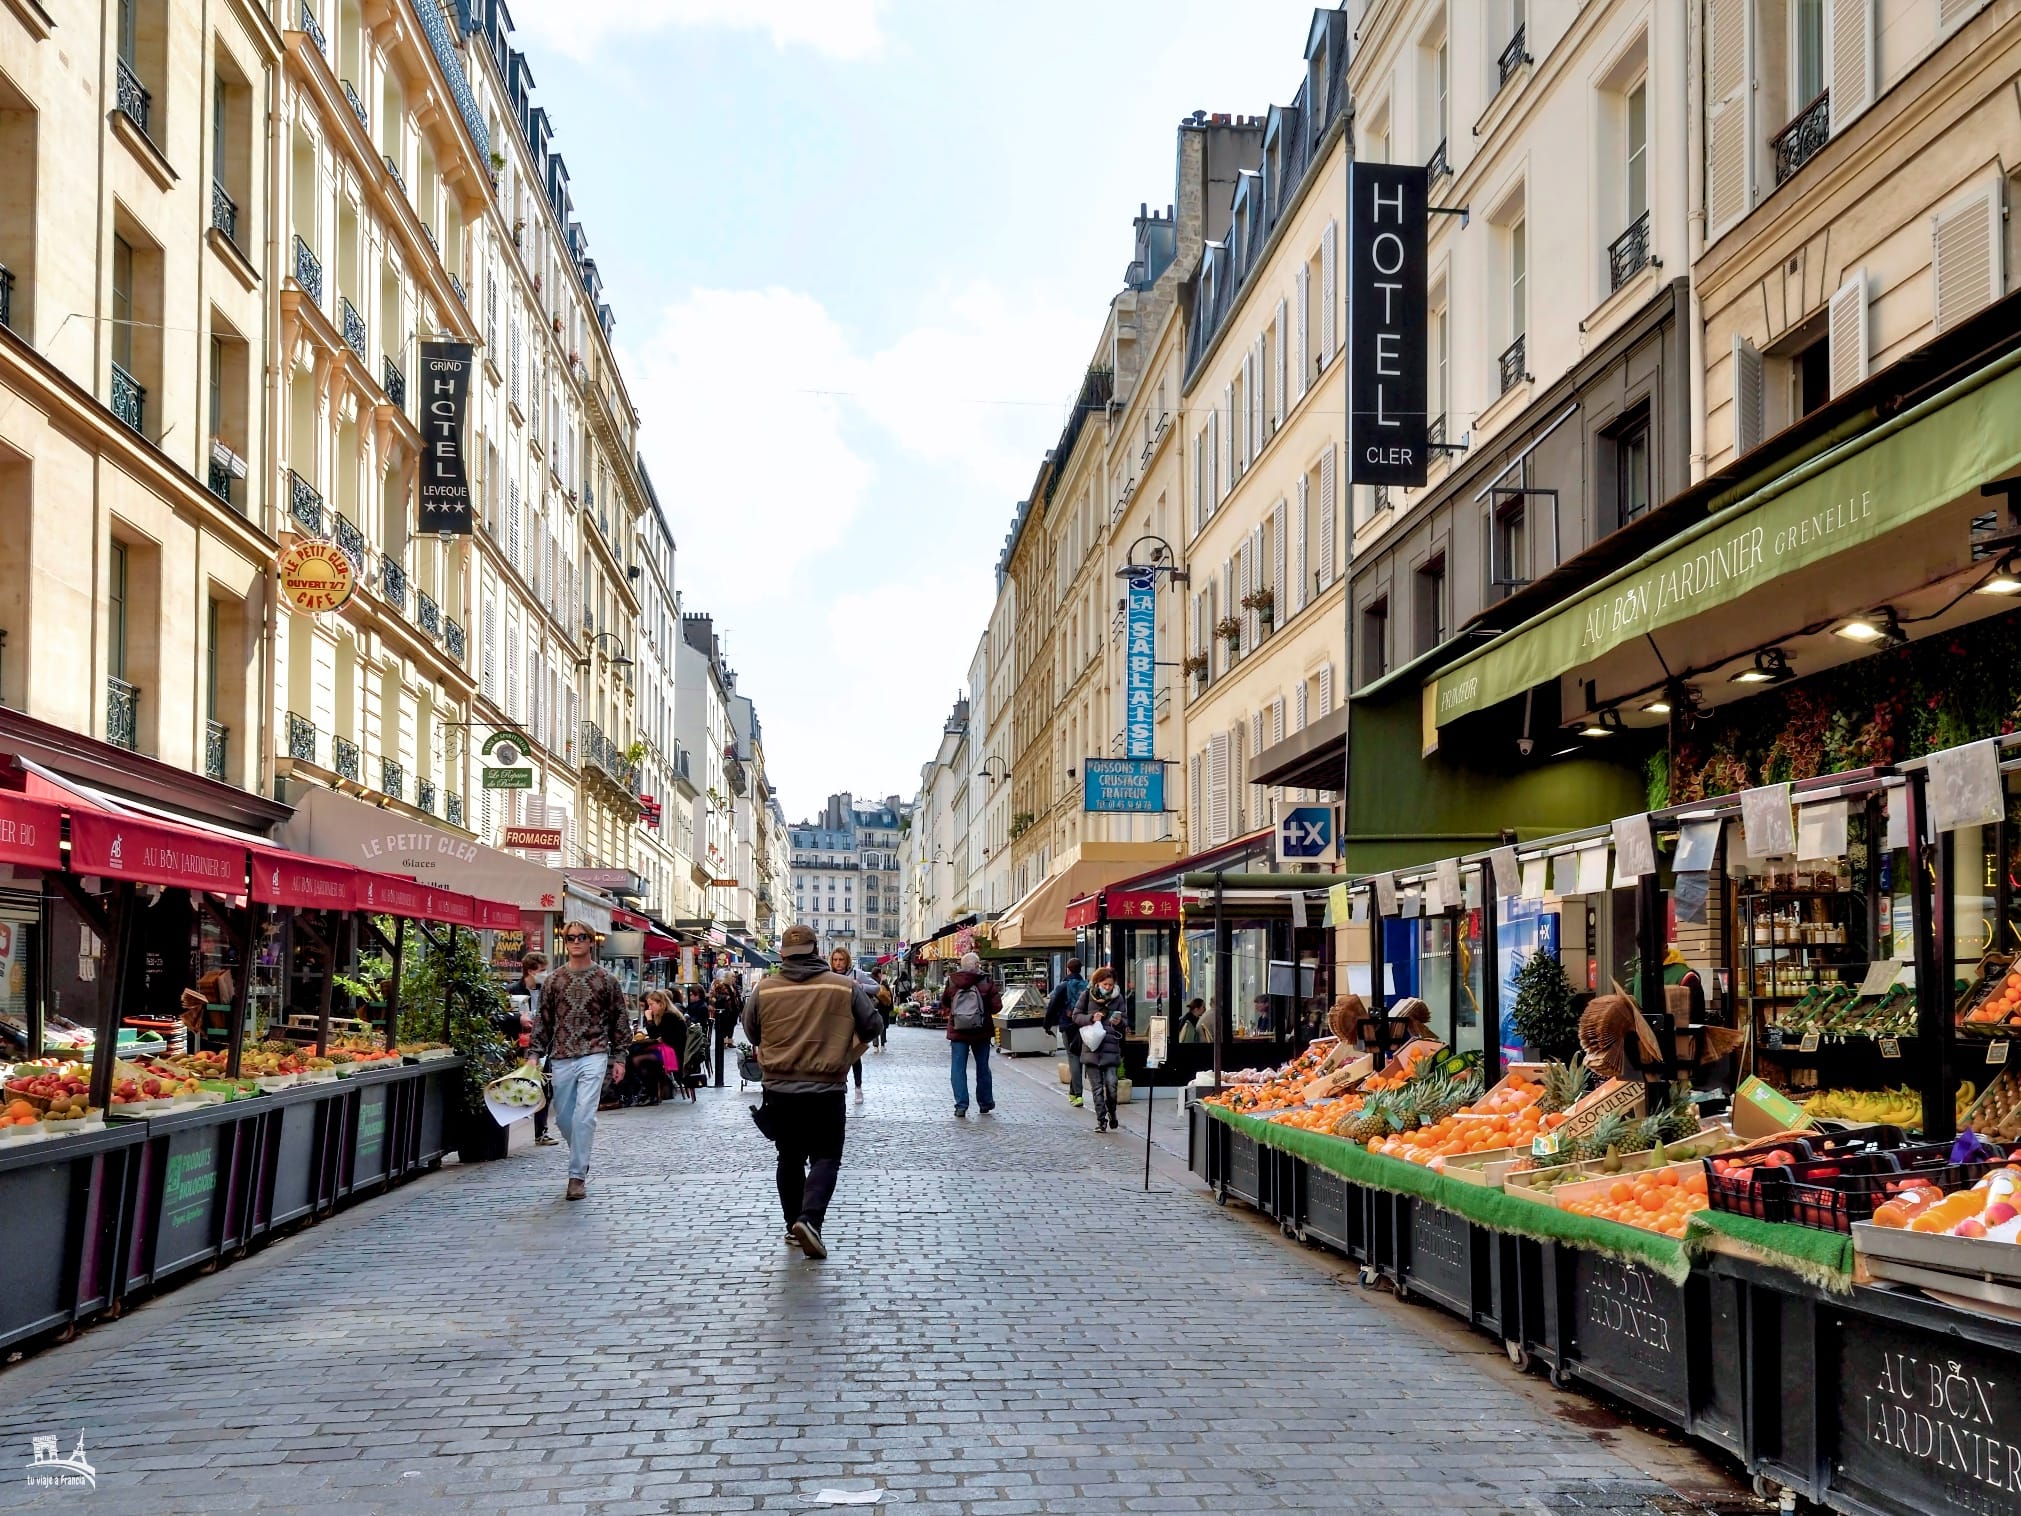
[1564,1083]
[1368,1123]
[1608,1134]
[1679,1116]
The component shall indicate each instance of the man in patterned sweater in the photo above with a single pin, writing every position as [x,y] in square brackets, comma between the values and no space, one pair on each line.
[583,1030]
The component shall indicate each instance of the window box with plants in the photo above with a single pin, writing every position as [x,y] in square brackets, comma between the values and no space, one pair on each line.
[1264,603]
[1229,630]
[1195,666]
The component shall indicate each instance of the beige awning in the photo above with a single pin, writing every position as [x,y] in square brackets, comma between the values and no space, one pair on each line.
[1039,918]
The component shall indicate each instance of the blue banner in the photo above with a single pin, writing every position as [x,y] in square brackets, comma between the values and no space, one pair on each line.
[1122,784]
[1140,686]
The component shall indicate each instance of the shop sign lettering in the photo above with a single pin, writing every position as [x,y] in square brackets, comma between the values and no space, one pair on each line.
[1938,1414]
[187,1187]
[371,1136]
[1621,1299]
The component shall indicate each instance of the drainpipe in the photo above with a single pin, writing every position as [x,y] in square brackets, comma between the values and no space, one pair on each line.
[265,780]
[1694,223]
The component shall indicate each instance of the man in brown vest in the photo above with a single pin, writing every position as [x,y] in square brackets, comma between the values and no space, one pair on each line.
[808,1026]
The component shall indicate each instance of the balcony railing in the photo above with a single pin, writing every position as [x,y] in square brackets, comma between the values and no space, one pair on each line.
[457,285]
[392,778]
[452,808]
[134,100]
[352,542]
[1628,254]
[344,758]
[6,296]
[315,29]
[424,795]
[357,106]
[224,212]
[393,585]
[122,714]
[1514,363]
[598,751]
[354,325]
[304,504]
[452,638]
[308,270]
[129,399]
[221,481]
[301,737]
[394,169]
[1513,57]
[394,383]
[1440,166]
[1435,433]
[427,614]
[1796,143]
[217,749]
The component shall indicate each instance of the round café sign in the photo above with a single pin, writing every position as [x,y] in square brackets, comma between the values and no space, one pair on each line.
[316,576]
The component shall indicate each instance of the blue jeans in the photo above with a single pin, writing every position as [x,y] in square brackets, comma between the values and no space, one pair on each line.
[959,1053]
[578,1084]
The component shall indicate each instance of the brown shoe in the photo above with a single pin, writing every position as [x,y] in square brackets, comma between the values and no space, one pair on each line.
[577,1189]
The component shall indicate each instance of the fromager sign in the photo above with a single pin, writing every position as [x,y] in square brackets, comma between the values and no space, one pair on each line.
[1387,428]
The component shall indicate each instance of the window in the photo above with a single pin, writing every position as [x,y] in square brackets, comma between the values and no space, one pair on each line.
[1441,81]
[1636,147]
[217,387]
[1519,279]
[1431,604]
[1375,641]
[1509,563]
[122,303]
[1631,469]
[1807,50]
[1442,350]
[115,613]
[211,660]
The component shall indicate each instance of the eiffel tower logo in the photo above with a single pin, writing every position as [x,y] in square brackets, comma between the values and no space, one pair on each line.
[51,1465]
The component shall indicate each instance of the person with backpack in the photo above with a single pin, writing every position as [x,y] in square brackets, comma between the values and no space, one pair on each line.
[1060,1008]
[1103,1007]
[971,1000]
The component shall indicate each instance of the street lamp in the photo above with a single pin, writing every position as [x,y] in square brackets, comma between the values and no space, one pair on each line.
[1159,560]
[992,778]
[622,661]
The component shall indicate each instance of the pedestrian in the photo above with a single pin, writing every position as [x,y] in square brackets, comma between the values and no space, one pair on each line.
[723,998]
[808,1025]
[885,1010]
[1060,1008]
[532,970]
[971,999]
[584,1031]
[1102,1006]
[840,963]
[1191,1028]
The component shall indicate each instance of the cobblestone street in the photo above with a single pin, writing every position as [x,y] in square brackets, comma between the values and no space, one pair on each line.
[1007,1323]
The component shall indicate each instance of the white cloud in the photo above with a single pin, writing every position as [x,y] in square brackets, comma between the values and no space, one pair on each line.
[843,29]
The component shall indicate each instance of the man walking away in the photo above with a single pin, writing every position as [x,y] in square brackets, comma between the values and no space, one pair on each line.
[808,1025]
[582,1032]
[1060,1007]
[971,1000]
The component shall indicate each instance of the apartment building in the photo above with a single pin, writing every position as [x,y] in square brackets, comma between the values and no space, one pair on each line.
[846,873]
[142,464]
[662,840]
[702,729]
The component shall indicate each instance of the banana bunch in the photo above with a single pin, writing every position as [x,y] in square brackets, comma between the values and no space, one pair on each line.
[1901,1107]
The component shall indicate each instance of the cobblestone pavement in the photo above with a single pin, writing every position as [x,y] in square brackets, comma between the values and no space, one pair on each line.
[1007,1323]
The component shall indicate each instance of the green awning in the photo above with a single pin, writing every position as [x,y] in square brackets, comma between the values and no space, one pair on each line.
[1871,485]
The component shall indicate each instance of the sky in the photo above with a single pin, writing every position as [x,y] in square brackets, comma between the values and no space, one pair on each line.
[860,252]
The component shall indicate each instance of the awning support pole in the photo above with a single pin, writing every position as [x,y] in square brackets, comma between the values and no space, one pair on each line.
[393,989]
[1491,979]
[1222,989]
[326,943]
[1933,1003]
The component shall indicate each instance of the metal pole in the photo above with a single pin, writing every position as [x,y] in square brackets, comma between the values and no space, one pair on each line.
[112,965]
[1491,979]
[1375,971]
[1223,966]
[1150,1113]
[393,988]
[329,986]
[1933,1002]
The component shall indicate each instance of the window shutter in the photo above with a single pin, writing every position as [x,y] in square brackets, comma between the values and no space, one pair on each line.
[1849,335]
[1255,736]
[1247,431]
[1213,461]
[1277,388]
[1278,521]
[1326,690]
[490,664]
[1729,116]
[1257,409]
[1200,480]
[1277,720]
[1195,819]
[1217,789]
[1298,708]
[511,675]
[1329,279]
[1965,257]
[1326,518]
[1301,582]
[1299,281]
[1748,417]
[1238,781]
[1229,446]
[1951,12]
[1252,633]
[1852,61]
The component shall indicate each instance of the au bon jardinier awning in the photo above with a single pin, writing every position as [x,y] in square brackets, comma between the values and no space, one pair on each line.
[1877,483]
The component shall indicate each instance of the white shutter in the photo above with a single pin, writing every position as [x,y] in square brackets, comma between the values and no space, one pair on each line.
[1965,257]
[1259,392]
[1246,448]
[1304,365]
[1327,516]
[1238,782]
[490,660]
[1228,603]
[1278,522]
[1256,734]
[1207,620]
[1196,819]
[1951,12]
[1851,61]
[1849,335]
[1277,720]
[1217,789]
[1326,690]
[1298,709]
[1229,446]
[1749,420]
[1729,116]
[1277,390]
[1252,632]
[1301,581]
[1329,279]
[1200,480]
[1213,462]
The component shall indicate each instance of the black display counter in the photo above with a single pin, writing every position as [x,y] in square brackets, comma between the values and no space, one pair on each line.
[60,1246]
[189,1198]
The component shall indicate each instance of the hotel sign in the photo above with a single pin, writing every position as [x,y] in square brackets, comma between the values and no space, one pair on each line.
[445,395]
[1387,377]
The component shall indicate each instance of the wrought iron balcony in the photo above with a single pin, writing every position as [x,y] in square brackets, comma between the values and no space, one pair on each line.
[344,758]
[1513,57]
[357,106]
[301,737]
[1435,433]
[308,270]
[452,638]
[424,796]
[393,585]
[134,100]
[304,504]
[427,614]
[394,169]
[129,399]
[352,541]
[392,778]
[394,382]
[224,212]
[595,750]
[1439,166]
[315,29]
[221,481]
[122,714]
[457,285]
[452,808]
[6,296]
[217,749]
[1628,254]
[1810,130]
[1514,363]
[354,325]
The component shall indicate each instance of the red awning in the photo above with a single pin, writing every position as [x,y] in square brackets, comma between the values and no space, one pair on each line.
[290,879]
[447,905]
[31,833]
[632,919]
[120,847]
[661,947]
[497,916]
[386,895]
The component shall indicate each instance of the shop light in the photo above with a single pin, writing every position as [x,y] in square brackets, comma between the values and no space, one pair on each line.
[1771,666]
[2006,579]
[1858,630]
[1660,706]
[1882,627]
[1594,729]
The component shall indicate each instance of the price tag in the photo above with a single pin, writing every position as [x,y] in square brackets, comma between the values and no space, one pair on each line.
[1997,1053]
[1891,1047]
[1811,1041]
[1881,977]
[1544,1144]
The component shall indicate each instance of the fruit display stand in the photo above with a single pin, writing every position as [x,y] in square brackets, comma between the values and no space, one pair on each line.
[190,1194]
[59,1253]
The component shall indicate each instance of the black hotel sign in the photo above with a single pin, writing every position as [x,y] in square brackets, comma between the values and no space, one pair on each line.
[1386,349]
[445,395]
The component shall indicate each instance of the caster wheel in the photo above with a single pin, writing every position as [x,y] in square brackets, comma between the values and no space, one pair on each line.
[66,1333]
[1560,1380]
[1402,1290]
[1367,1277]
[1221,1197]
[1518,1355]
[1764,1487]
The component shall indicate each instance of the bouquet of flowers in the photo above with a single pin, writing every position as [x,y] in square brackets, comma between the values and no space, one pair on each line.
[515,1096]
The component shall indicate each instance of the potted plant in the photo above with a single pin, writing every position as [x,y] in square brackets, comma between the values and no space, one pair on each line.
[1263,602]
[1195,665]
[1544,1015]
[461,977]
[1229,630]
